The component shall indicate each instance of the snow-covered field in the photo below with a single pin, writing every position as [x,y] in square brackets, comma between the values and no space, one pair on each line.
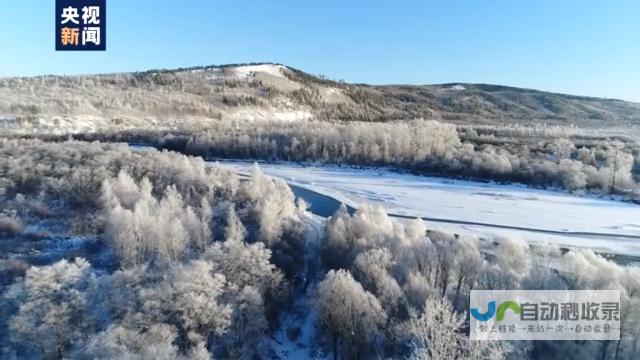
[502,205]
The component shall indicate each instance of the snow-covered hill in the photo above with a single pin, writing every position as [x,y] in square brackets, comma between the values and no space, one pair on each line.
[194,97]
[158,99]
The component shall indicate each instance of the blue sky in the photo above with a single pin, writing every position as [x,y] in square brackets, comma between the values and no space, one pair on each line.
[585,47]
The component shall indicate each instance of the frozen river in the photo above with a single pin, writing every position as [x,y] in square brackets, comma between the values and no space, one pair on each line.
[482,209]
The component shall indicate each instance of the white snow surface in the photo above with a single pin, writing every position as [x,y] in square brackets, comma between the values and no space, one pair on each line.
[510,205]
[246,70]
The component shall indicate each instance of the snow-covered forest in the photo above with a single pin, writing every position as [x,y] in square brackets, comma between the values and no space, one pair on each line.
[114,252]
[175,259]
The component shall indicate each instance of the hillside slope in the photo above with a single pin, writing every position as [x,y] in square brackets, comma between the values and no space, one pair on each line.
[197,96]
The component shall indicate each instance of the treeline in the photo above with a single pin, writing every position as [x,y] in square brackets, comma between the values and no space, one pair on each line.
[399,290]
[549,159]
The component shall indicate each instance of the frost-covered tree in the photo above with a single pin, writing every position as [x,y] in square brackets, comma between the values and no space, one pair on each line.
[348,235]
[273,204]
[156,342]
[146,226]
[234,230]
[371,269]
[348,311]
[244,265]
[198,225]
[189,298]
[514,260]
[52,302]
[436,333]
[587,270]
[248,323]
[469,266]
